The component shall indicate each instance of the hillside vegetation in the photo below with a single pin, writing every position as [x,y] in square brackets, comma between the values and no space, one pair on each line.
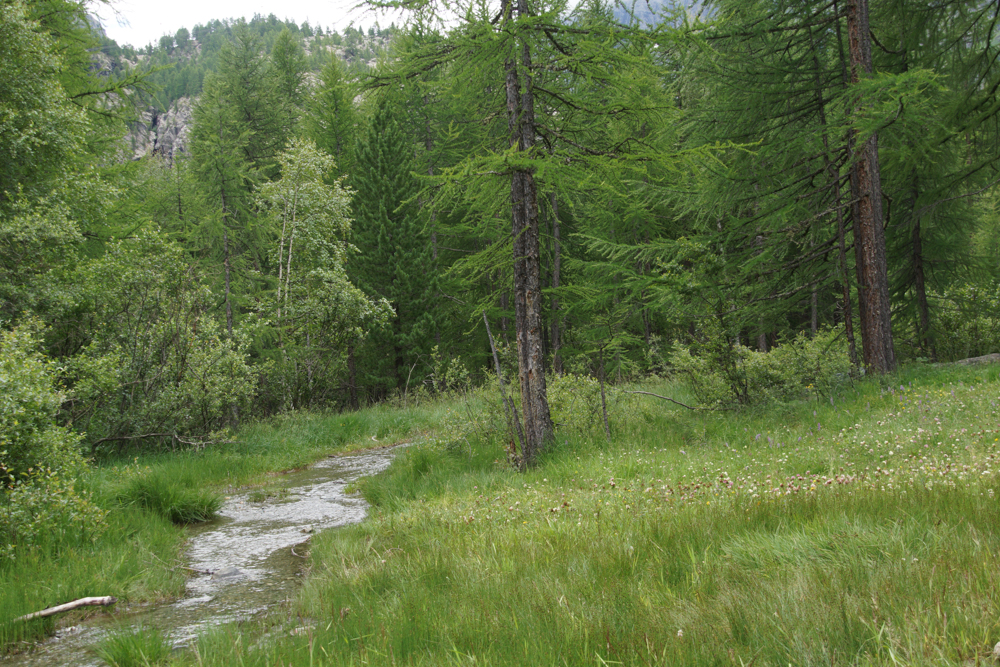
[707,246]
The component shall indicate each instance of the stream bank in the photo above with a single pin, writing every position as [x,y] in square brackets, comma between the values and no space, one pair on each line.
[245,561]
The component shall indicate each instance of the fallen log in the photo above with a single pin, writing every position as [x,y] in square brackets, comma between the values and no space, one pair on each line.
[75,604]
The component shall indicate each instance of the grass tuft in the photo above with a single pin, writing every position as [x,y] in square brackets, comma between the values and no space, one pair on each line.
[163,496]
[142,647]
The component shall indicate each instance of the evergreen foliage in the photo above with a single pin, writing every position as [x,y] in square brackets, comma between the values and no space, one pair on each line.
[395,263]
[658,170]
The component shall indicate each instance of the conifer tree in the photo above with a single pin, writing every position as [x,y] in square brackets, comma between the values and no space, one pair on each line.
[396,260]
[518,59]
[289,61]
[330,118]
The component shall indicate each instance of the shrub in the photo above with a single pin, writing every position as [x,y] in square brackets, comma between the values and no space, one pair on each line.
[155,362]
[575,402]
[969,319]
[29,402]
[45,511]
[39,505]
[721,373]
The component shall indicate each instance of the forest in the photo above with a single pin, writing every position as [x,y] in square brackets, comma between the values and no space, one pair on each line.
[747,205]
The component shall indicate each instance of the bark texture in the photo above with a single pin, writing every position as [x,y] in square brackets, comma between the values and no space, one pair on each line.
[527,250]
[869,232]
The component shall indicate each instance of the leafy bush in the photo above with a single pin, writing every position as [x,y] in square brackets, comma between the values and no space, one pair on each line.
[721,373]
[29,402]
[156,363]
[575,402]
[448,374]
[38,502]
[968,319]
[46,511]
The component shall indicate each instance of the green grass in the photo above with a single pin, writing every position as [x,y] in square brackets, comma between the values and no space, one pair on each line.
[859,532]
[129,562]
[162,495]
[145,647]
[144,496]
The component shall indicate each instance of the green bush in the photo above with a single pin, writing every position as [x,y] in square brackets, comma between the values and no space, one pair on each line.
[575,402]
[155,362]
[45,511]
[39,505]
[721,373]
[29,402]
[968,321]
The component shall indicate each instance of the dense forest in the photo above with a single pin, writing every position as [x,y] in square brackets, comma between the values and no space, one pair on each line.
[765,197]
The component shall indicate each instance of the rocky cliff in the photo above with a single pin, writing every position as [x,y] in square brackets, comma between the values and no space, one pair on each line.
[163,132]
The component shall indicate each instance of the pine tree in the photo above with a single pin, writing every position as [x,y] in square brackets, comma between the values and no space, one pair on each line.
[330,118]
[396,260]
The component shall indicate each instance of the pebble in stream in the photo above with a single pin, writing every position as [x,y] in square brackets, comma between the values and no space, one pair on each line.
[248,550]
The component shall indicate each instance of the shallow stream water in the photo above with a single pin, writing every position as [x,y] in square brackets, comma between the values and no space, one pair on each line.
[248,550]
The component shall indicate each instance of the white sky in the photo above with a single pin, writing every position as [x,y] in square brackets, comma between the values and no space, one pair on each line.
[145,21]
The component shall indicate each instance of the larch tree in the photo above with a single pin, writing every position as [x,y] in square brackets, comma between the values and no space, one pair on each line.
[788,85]
[239,129]
[869,221]
[520,57]
[330,117]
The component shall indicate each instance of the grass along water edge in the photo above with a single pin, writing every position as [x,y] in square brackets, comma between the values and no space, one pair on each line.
[858,531]
[145,496]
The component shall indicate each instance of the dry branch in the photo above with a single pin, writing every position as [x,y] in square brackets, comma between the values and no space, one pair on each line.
[69,606]
[647,393]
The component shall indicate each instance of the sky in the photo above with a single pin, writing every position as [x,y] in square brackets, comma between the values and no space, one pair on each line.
[140,22]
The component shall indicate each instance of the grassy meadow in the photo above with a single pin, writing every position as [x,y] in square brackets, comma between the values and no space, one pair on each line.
[855,529]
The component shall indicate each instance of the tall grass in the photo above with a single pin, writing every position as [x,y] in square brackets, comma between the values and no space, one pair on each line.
[136,558]
[161,494]
[853,532]
[129,562]
[141,647]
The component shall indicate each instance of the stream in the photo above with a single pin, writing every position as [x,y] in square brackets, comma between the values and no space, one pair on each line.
[248,549]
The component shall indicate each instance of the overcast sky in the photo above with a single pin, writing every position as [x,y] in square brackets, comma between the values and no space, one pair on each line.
[139,22]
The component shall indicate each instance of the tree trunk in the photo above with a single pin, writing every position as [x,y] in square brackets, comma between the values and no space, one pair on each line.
[527,264]
[225,265]
[845,276]
[397,349]
[557,366]
[352,378]
[841,231]
[919,283]
[869,239]
[504,305]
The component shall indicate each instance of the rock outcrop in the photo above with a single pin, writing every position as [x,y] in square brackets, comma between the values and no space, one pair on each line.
[163,132]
